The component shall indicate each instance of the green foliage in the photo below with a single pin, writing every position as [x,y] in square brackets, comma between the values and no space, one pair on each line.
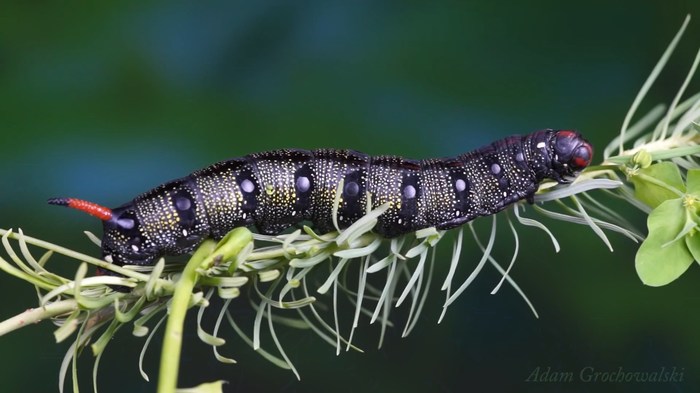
[657,183]
[672,243]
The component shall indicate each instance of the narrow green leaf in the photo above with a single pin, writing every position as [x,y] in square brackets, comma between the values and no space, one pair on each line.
[657,265]
[356,252]
[99,346]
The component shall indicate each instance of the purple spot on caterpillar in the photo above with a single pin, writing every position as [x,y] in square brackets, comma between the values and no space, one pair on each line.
[409,192]
[247,186]
[352,189]
[460,185]
[183,203]
[303,184]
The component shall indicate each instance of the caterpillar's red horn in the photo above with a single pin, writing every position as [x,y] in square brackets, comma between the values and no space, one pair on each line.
[93,209]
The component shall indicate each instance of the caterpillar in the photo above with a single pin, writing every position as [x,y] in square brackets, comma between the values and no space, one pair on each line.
[277,189]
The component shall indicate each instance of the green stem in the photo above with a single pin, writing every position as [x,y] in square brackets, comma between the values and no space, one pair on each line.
[661,155]
[279,252]
[682,151]
[35,315]
[206,255]
[172,339]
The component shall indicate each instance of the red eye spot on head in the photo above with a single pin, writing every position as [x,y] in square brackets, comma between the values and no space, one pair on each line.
[582,156]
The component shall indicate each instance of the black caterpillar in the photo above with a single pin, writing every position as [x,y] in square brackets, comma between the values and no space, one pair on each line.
[277,189]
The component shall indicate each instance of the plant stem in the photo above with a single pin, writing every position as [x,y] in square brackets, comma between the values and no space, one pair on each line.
[172,339]
[207,254]
[35,315]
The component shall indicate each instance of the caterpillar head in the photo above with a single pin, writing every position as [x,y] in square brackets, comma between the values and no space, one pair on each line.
[570,154]
[123,242]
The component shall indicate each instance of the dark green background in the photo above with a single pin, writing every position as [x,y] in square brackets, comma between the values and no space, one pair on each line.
[105,101]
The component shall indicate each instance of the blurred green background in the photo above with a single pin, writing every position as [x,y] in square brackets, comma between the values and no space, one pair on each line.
[105,101]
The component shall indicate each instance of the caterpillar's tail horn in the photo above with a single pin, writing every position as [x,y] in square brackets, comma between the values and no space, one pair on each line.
[93,209]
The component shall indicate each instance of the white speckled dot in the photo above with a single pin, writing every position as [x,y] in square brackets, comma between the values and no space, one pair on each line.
[409,192]
[460,185]
[247,186]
